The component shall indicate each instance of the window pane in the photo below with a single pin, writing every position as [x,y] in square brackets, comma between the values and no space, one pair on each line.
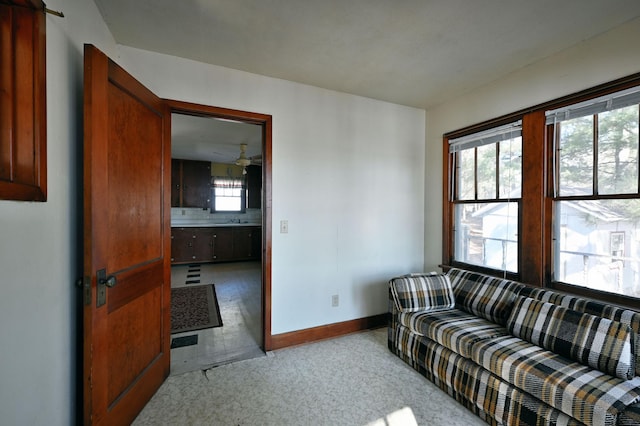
[228,203]
[487,172]
[575,157]
[485,234]
[618,151]
[511,168]
[597,245]
[466,175]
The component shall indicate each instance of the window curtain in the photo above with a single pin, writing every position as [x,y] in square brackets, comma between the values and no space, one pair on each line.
[494,135]
[610,102]
[228,183]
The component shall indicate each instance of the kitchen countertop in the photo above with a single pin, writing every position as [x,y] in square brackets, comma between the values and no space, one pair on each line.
[209,224]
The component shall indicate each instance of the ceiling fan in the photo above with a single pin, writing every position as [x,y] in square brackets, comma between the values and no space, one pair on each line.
[244,161]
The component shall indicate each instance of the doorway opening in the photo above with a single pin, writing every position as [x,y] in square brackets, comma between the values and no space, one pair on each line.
[212,243]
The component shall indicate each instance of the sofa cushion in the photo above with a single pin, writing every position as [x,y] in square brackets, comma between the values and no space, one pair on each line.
[588,395]
[593,307]
[488,297]
[630,416]
[454,329]
[485,394]
[600,343]
[420,292]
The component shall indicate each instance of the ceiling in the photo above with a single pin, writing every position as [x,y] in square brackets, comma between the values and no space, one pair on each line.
[411,52]
[212,139]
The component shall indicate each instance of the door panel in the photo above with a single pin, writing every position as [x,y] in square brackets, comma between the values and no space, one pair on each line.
[134,168]
[126,238]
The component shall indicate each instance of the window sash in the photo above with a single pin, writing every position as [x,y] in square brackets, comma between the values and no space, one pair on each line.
[617,100]
[627,99]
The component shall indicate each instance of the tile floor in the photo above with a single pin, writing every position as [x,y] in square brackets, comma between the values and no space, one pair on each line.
[238,289]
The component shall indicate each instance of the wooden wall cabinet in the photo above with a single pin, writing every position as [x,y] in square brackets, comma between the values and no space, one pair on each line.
[190,183]
[254,187]
[23,102]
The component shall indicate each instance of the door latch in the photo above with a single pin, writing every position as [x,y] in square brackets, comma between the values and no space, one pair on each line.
[102,283]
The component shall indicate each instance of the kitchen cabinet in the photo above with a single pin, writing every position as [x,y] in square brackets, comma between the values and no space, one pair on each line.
[176,182]
[256,243]
[190,183]
[222,244]
[254,187]
[181,245]
[215,244]
[244,243]
[191,245]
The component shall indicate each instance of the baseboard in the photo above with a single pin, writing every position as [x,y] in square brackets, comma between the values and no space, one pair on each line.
[279,341]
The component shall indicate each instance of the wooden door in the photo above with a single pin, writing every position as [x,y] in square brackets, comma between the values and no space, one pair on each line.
[127,175]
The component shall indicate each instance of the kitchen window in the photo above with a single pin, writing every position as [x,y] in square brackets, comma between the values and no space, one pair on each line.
[229,194]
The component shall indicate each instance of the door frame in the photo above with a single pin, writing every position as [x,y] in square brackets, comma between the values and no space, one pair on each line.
[264,120]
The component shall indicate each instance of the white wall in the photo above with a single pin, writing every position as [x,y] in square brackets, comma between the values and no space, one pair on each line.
[598,60]
[348,175]
[38,249]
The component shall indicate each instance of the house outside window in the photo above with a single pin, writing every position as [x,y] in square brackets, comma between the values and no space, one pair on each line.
[596,193]
[485,191]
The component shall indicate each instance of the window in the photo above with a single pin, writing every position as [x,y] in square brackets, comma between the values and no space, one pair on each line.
[553,202]
[597,193]
[485,193]
[229,194]
[23,127]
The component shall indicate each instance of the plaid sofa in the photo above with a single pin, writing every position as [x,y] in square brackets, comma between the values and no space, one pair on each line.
[517,355]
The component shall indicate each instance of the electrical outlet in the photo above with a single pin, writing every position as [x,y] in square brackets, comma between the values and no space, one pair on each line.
[284,226]
[335,300]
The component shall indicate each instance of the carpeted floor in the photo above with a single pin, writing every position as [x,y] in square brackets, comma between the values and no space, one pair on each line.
[351,380]
[194,308]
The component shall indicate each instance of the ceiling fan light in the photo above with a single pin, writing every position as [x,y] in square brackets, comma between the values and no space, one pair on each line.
[243,161]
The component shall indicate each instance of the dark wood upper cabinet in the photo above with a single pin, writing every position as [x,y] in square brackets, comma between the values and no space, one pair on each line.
[190,183]
[176,182]
[23,117]
[254,187]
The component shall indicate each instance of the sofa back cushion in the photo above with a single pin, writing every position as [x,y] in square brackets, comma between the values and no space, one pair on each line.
[483,295]
[594,341]
[422,292]
[593,307]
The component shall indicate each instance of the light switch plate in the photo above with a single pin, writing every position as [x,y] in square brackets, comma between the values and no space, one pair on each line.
[284,226]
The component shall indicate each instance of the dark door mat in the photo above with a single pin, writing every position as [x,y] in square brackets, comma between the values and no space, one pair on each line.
[179,342]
